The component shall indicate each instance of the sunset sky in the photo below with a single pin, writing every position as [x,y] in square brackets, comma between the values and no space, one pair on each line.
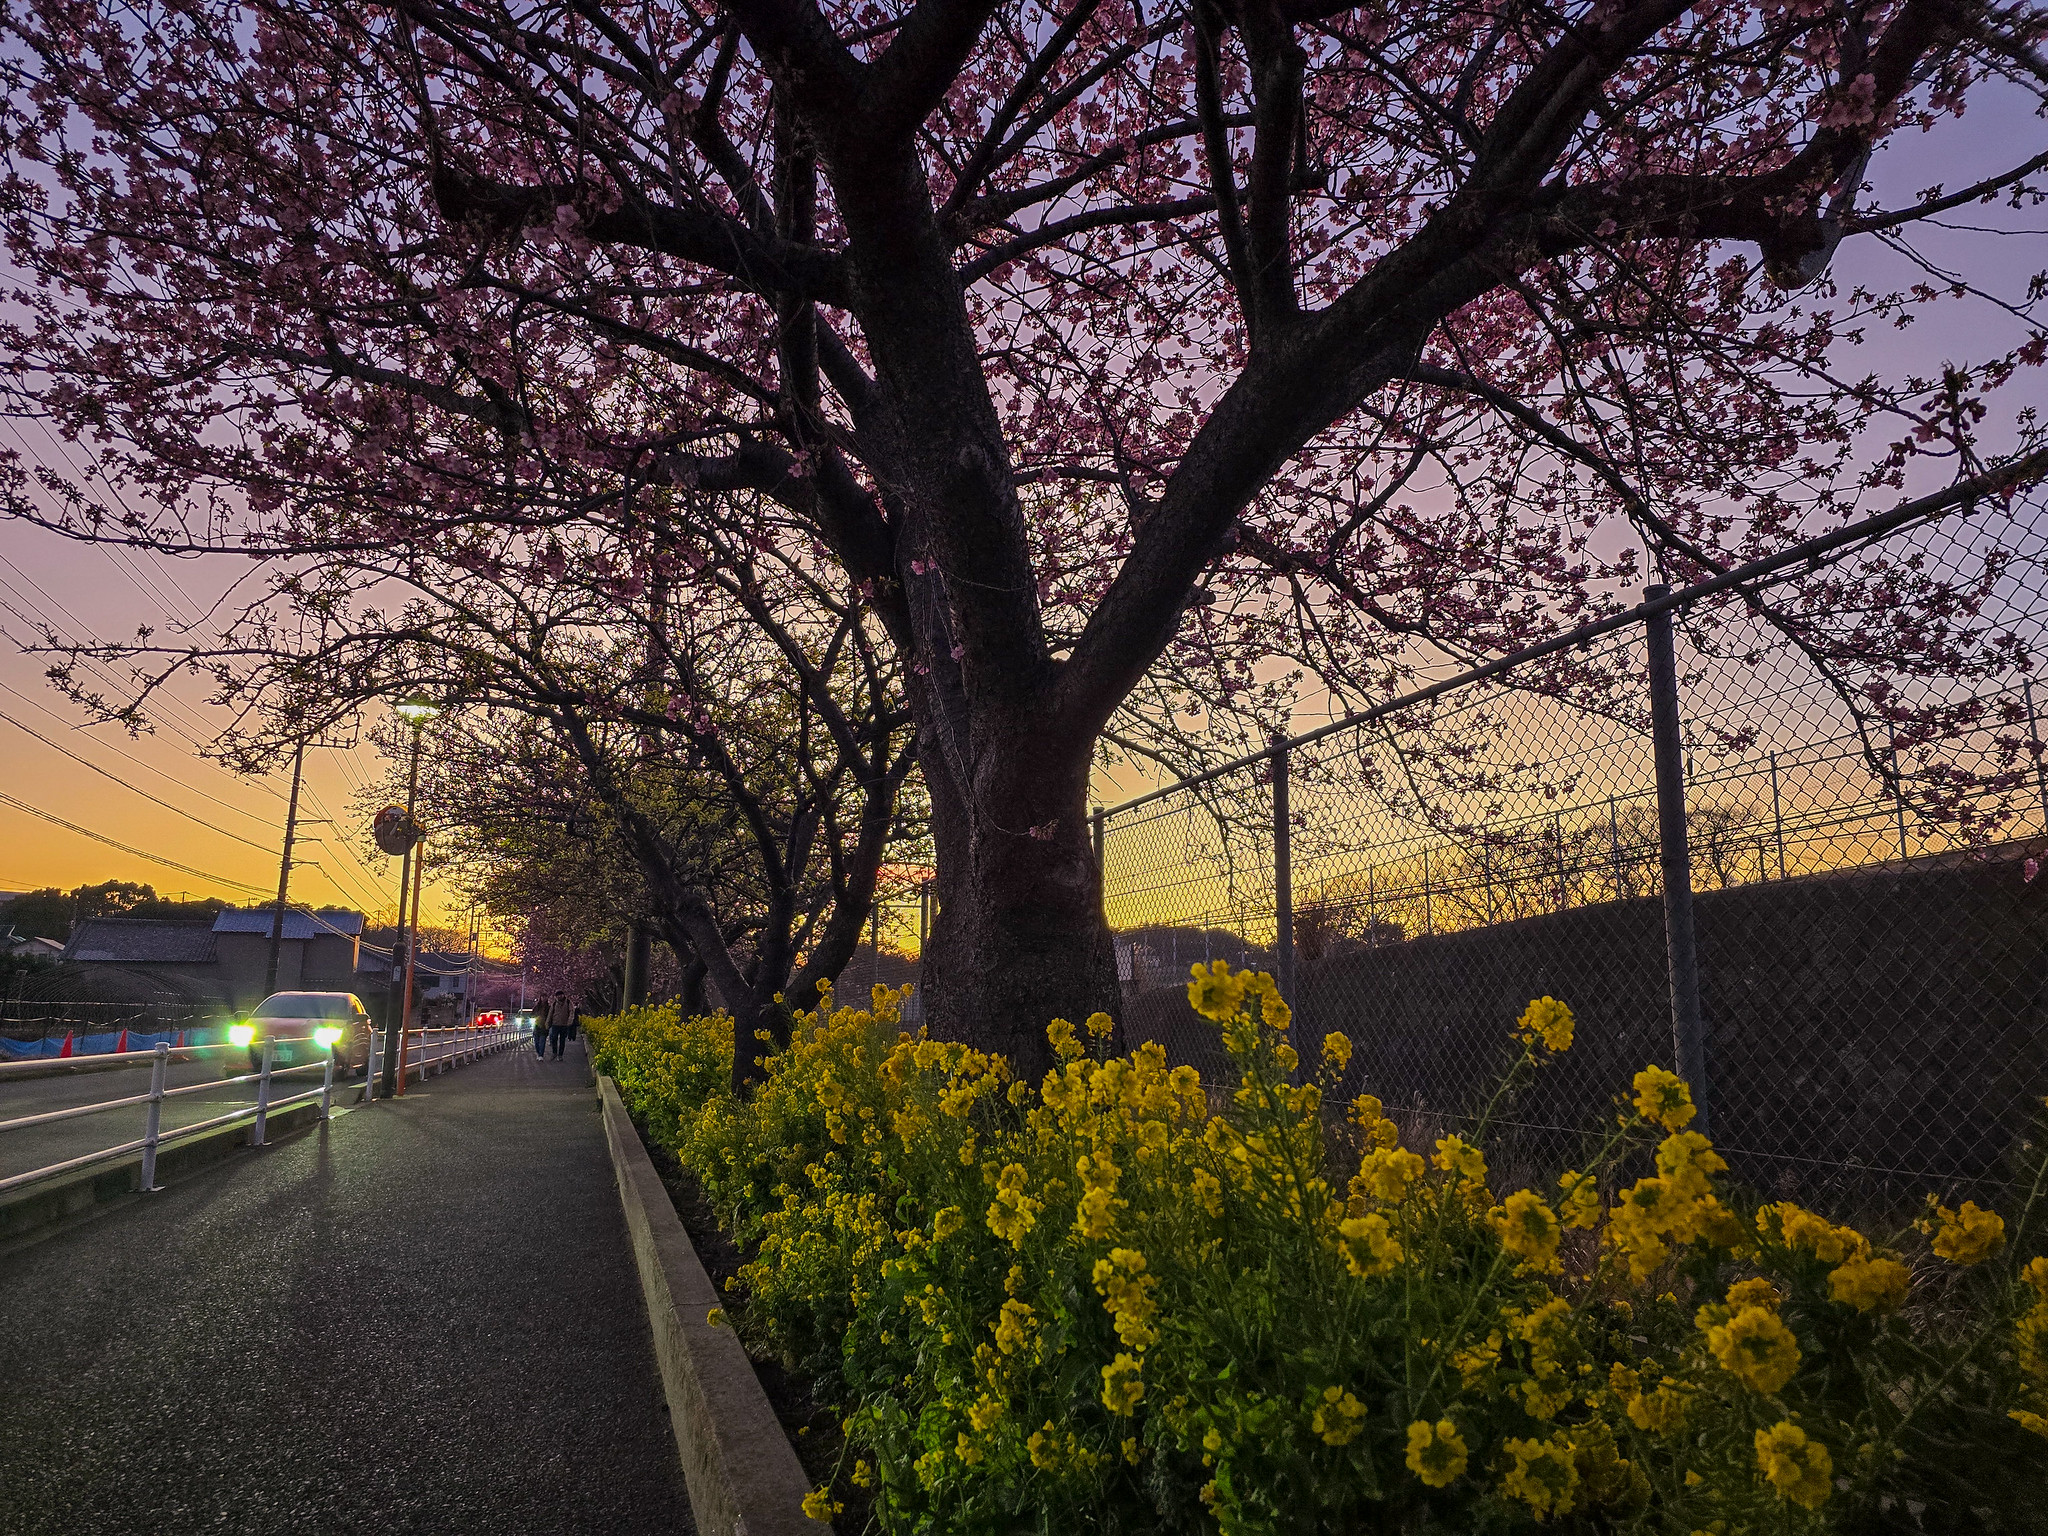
[91,593]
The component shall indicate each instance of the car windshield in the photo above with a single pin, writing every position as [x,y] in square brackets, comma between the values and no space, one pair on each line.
[306,1005]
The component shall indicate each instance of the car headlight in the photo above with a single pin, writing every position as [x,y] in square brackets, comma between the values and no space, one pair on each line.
[241,1034]
[326,1036]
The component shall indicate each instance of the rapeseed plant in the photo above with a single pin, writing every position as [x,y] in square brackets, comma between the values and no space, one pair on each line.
[1126,1300]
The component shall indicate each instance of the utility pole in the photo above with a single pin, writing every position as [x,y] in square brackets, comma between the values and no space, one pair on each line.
[417,712]
[284,870]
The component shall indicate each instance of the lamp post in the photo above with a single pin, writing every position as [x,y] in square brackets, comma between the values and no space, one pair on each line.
[417,712]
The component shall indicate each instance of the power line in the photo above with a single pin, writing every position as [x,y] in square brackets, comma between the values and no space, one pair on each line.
[119,751]
[100,837]
[132,789]
[167,702]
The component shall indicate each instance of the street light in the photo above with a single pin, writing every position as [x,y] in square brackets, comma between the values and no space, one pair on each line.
[416,711]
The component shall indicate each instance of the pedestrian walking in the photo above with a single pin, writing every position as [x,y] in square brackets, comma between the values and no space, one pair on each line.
[540,1029]
[561,1020]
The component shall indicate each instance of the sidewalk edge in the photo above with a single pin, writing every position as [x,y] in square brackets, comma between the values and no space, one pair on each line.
[743,1478]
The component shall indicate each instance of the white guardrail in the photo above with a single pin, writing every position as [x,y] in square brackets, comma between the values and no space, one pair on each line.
[421,1050]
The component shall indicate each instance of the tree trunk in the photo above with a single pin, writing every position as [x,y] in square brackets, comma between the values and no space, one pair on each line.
[691,995]
[1020,938]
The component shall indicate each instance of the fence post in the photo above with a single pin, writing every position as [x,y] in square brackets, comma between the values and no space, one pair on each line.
[156,1116]
[1891,732]
[1614,848]
[1428,923]
[263,1093]
[327,1089]
[2034,747]
[1777,816]
[1681,948]
[1283,873]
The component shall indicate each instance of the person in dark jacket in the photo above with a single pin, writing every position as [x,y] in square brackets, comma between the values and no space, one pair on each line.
[540,1028]
[561,1020]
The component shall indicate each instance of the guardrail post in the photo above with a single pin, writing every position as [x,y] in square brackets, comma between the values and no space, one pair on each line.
[150,1131]
[263,1093]
[370,1071]
[1688,1033]
[327,1089]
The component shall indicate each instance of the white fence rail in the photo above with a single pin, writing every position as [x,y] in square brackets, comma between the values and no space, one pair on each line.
[424,1050]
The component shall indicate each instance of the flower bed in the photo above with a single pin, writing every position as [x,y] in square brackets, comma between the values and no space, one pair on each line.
[1126,1300]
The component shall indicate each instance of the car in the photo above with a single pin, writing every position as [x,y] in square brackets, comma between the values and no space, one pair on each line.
[306,1027]
[490,1018]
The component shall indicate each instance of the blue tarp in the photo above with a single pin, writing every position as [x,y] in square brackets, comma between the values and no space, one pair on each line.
[99,1043]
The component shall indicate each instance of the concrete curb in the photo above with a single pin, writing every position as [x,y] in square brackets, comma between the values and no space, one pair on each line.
[744,1479]
[37,1206]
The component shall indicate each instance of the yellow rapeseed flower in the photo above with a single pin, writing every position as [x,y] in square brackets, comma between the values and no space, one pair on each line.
[1661,1411]
[1799,1228]
[1799,1468]
[820,1505]
[1968,1236]
[1436,1452]
[2032,1423]
[1756,1292]
[1337,1050]
[1370,1247]
[1529,1229]
[1756,1348]
[1870,1284]
[1012,1214]
[1122,1386]
[1337,1416]
[1013,1326]
[1578,1197]
[1663,1099]
[1385,1174]
[1544,1476]
[1214,993]
[1687,1162]
[1460,1159]
[1059,1034]
[1127,1296]
[1548,1020]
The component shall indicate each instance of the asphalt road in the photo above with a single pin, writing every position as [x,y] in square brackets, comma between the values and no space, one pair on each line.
[39,1146]
[423,1318]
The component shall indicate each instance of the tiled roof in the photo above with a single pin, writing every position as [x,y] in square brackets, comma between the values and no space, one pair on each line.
[140,941]
[328,922]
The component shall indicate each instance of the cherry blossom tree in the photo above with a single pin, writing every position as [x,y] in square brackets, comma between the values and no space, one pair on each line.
[1110,350]
[728,743]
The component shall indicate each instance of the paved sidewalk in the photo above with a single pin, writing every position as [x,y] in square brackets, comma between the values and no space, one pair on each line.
[424,1318]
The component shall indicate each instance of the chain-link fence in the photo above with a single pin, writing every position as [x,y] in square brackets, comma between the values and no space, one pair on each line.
[1863,800]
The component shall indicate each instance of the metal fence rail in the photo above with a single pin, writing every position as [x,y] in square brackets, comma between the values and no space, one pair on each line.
[1854,803]
[436,1050]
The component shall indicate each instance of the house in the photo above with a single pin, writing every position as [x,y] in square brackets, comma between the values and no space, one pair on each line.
[147,959]
[226,960]
[12,943]
[317,951]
